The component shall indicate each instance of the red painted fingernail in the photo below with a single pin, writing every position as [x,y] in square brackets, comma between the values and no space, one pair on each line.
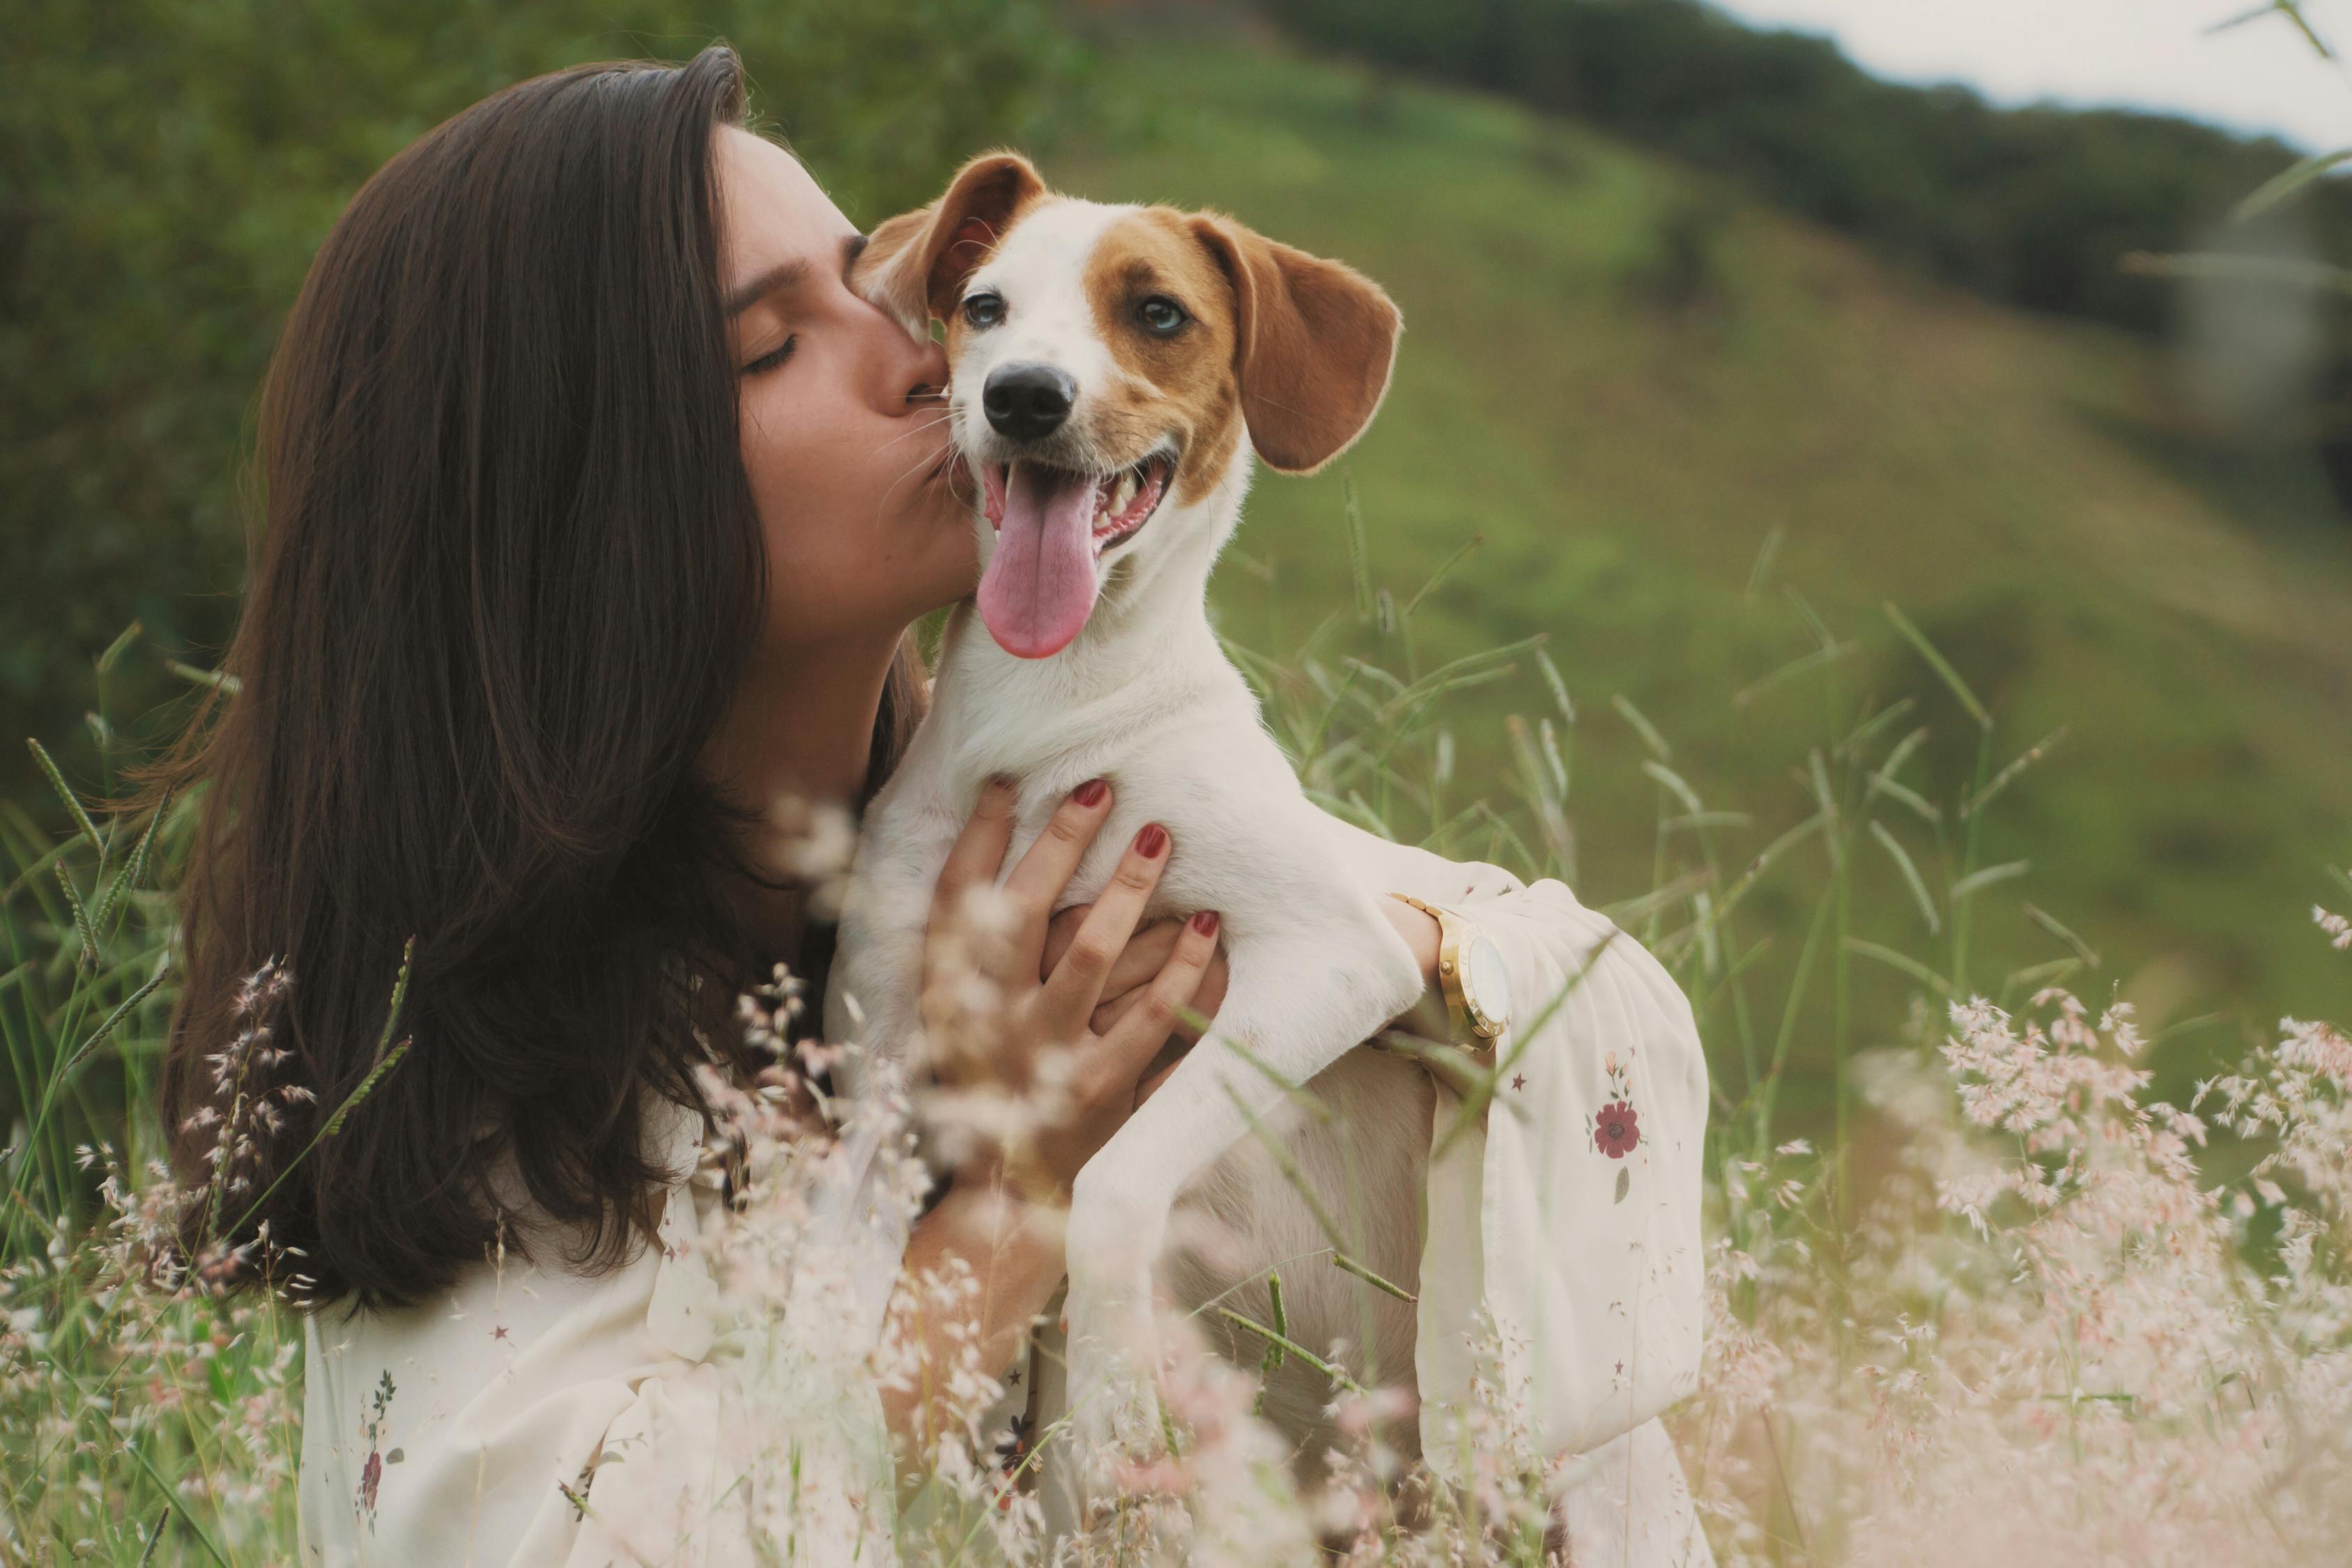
[1205,923]
[1152,841]
[1090,793]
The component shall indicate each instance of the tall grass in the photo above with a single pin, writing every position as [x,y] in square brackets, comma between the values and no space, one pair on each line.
[1996,1299]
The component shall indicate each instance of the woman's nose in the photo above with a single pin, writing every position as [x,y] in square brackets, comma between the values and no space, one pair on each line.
[929,376]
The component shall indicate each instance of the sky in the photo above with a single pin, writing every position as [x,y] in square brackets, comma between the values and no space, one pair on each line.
[2143,54]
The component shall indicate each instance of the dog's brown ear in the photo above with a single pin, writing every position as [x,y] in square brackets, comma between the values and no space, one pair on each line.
[1315,341]
[914,264]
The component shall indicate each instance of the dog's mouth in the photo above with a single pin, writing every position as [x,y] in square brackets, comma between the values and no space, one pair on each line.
[1052,527]
[1123,500]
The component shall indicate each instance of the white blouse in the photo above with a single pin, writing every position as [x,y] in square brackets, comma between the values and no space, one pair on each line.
[533,1417]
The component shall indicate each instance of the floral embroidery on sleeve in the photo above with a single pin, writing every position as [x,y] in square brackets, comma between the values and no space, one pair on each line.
[372,1472]
[1616,1126]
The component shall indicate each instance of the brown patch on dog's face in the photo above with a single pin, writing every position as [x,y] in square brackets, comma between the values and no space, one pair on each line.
[914,265]
[1178,382]
[1290,350]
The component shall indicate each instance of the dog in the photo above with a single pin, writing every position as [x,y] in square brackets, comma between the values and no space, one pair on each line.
[1116,371]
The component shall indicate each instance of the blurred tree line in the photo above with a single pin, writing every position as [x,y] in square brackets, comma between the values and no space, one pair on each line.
[2031,207]
[167,170]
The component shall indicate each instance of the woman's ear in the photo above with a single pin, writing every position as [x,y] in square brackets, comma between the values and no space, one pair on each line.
[915,264]
[1314,343]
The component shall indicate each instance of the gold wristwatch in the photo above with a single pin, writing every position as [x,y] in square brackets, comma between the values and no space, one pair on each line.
[1470,972]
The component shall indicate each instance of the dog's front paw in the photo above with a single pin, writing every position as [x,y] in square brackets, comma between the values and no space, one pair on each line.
[1114,1348]
[1126,1455]
[1114,1407]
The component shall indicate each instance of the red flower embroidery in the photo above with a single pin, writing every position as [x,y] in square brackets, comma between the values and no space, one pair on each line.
[1617,1131]
[372,1472]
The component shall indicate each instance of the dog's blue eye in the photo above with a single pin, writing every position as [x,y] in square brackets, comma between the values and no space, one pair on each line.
[1162,316]
[983,310]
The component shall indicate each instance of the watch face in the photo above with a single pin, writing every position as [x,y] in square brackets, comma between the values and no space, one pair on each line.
[1486,984]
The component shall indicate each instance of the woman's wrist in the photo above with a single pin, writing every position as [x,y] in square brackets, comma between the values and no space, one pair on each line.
[1420,932]
[1013,1251]
[1013,1244]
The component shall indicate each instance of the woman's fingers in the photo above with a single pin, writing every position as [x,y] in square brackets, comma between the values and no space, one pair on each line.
[1047,865]
[1145,952]
[1205,1001]
[1123,990]
[1077,982]
[1137,1037]
[975,857]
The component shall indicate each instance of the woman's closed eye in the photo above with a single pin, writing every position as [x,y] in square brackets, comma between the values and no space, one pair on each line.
[770,360]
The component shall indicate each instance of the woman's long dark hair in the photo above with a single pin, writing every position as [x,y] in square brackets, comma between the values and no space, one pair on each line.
[508,573]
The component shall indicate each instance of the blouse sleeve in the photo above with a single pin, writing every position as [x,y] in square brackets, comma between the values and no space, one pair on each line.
[1565,1209]
[533,1419]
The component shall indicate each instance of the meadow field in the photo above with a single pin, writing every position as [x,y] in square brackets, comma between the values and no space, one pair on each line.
[1960,718]
[1684,429]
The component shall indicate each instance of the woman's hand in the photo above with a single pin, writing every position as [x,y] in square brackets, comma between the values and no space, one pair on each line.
[1134,968]
[1130,983]
[1032,1029]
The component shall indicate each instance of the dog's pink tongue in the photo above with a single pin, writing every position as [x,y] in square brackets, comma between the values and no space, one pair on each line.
[1039,587]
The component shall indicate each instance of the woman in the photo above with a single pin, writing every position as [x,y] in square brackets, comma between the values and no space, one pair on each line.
[597,513]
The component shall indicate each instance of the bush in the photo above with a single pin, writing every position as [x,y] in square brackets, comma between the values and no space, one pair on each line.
[2033,207]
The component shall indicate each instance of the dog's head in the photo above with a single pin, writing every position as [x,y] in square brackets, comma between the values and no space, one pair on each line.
[1108,363]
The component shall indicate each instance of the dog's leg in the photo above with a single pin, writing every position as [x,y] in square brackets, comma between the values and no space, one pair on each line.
[873,1000]
[874,996]
[1300,995]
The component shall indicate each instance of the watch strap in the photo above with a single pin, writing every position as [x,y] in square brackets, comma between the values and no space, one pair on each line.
[1453,933]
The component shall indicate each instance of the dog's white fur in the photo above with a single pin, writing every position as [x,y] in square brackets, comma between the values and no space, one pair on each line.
[1145,697]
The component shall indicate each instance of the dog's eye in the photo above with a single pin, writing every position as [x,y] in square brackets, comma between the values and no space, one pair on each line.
[984,309]
[1162,316]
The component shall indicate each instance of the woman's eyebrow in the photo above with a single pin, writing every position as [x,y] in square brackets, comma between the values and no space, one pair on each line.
[788,274]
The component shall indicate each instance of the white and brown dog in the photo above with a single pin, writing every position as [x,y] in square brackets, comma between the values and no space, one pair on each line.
[1114,368]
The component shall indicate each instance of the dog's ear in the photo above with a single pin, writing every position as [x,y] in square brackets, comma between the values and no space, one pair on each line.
[914,264]
[1315,341]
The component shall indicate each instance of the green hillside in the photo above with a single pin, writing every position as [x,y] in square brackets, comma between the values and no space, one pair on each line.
[1628,377]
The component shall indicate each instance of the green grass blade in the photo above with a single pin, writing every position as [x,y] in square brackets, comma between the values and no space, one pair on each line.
[1862,734]
[2009,775]
[1558,687]
[2279,187]
[1675,785]
[1348,1265]
[1762,571]
[1291,1347]
[1940,665]
[1977,881]
[228,684]
[80,920]
[376,1075]
[2049,922]
[1926,810]
[1445,569]
[1642,727]
[118,647]
[113,1020]
[1902,960]
[1798,666]
[1901,751]
[110,903]
[1911,876]
[65,793]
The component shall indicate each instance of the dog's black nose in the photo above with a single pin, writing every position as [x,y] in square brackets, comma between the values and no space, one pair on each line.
[1027,402]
